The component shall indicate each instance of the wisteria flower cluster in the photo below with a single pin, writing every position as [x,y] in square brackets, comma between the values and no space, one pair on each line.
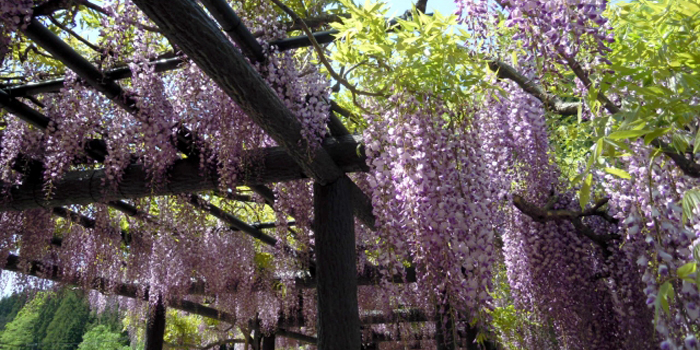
[170,247]
[13,15]
[553,30]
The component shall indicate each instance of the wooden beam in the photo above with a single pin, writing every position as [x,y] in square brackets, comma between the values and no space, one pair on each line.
[304,41]
[155,325]
[184,176]
[296,336]
[81,66]
[338,325]
[268,343]
[122,72]
[235,28]
[51,272]
[445,332]
[184,23]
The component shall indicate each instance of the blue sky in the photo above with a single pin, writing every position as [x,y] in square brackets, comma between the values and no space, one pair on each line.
[442,6]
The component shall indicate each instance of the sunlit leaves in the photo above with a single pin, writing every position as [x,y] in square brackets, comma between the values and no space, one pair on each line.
[618,172]
[666,294]
[420,53]
[691,201]
[585,192]
[686,270]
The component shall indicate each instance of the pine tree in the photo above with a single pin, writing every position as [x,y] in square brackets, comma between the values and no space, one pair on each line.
[66,329]
[46,315]
[20,332]
[10,306]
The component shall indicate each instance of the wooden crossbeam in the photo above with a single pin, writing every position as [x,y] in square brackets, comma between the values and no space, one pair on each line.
[235,28]
[304,41]
[184,176]
[53,273]
[81,66]
[71,58]
[185,24]
[123,72]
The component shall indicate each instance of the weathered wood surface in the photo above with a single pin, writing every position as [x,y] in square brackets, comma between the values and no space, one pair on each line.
[338,325]
[155,326]
[184,23]
[185,176]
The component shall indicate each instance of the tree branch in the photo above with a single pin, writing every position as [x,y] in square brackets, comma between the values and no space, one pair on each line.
[322,57]
[316,21]
[583,77]
[543,215]
[48,8]
[687,166]
[551,101]
[74,34]
[555,104]
[421,5]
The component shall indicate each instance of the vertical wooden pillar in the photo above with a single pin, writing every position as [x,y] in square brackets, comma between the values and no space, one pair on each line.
[338,325]
[155,327]
[370,346]
[268,343]
[445,332]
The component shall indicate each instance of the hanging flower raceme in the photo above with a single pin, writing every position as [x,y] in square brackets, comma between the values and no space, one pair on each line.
[14,14]
[430,195]
[554,30]
[657,244]
[552,268]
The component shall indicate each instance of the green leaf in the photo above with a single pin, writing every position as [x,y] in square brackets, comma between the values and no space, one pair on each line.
[627,134]
[684,271]
[691,200]
[598,148]
[618,172]
[665,295]
[654,134]
[575,180]
[619,144]
[584,194]
[680,143]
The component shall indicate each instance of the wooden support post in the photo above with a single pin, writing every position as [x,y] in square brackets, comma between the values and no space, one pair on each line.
[445,332]
[268,343]
[155,328]
[370,346]
[338,325]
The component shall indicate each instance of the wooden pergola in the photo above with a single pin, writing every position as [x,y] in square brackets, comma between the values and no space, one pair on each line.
[337,200]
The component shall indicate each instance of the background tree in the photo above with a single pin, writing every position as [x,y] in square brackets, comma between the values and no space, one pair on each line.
[103,337]
[20,332]
[533,176]
[10,306]
[65,331]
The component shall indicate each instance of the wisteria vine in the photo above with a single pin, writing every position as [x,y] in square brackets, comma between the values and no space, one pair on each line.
[443,179]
